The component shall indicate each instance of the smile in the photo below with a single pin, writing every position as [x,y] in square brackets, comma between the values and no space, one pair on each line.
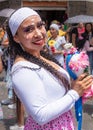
[40,42]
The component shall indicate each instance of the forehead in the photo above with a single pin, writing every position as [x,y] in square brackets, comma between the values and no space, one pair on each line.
[31,20]
[53,29]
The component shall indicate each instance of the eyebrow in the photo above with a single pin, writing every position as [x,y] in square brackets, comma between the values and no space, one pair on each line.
[23,27]
[31,24]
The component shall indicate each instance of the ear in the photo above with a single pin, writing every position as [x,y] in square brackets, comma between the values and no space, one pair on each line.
[16,39]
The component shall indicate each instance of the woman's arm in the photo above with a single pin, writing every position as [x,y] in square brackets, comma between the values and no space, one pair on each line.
[87,46]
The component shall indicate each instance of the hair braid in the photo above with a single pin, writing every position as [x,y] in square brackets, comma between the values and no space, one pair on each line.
[48,67]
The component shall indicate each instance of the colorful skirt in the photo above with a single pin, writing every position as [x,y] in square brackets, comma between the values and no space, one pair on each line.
[63,122]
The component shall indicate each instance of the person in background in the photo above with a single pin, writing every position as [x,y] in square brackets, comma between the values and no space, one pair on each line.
[1,33]
[62,32]
[76,34]
[56,49]
[85,44]
[88,34]
[52,22]
[65,16]
[12,101]
[41,84]
[6,66]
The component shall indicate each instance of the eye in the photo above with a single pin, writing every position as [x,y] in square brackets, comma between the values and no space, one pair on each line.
[28,29]
[40,24]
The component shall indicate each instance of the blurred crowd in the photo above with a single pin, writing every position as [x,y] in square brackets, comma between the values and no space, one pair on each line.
[80,35]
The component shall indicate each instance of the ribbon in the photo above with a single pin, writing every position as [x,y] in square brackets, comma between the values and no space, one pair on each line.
[78,103]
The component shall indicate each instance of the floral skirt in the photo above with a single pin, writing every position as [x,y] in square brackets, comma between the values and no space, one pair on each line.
[63,122]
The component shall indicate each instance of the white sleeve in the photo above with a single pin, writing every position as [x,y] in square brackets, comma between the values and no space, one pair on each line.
[31,91]
[63,39]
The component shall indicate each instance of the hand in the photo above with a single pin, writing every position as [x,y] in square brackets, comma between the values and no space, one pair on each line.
[83,82]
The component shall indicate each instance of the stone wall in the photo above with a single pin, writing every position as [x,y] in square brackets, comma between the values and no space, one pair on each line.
[80,7]
[76,8]
[4,4]
[15,3]
[10,4]
[89,8]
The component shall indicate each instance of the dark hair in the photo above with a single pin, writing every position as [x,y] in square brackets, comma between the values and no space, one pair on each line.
[16,50]
[85,35]
[86,26]
[86,32]
[81,44]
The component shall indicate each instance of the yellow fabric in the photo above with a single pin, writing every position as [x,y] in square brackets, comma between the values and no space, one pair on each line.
[61,33]
[1,34]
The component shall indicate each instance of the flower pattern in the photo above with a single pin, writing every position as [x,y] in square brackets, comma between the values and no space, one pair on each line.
[63,122]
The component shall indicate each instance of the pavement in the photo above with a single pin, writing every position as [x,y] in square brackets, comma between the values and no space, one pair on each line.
[10,115]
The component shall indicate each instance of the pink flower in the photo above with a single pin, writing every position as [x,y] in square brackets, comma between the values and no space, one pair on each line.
[78,63]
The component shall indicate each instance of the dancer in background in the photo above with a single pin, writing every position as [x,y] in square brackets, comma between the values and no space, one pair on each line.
[56,43]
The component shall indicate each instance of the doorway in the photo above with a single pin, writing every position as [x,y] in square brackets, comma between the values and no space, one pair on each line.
[50,15]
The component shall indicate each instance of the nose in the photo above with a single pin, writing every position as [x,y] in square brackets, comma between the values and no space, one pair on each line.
[37,32]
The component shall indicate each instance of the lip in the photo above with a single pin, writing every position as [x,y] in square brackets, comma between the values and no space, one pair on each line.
[39,42]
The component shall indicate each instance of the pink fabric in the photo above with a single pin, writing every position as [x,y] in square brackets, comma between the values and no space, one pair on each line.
[63,122]
[80,32]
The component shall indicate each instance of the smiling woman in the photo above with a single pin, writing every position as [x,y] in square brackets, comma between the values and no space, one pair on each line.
[38,79]
[31,33]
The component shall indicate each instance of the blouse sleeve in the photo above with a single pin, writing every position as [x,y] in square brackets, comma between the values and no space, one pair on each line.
[31,91]
[87,46]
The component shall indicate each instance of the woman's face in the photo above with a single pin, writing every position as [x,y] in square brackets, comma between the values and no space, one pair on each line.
[81,25]
[31,34]
[53,32]
[88,27]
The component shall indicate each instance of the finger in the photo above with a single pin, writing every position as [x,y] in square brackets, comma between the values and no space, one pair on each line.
[88,86]
[89,83]
[82,76]
[87,78]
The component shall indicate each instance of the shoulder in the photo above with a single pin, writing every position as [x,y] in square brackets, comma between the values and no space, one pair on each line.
[23,65]
[62,39]
[74,30]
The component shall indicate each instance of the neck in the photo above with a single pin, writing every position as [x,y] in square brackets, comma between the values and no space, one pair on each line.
[35,53]
[54,37]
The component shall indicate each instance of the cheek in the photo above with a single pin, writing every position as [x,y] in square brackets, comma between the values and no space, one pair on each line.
[26,38]
[43,32]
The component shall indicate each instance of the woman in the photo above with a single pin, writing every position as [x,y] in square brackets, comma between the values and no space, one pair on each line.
[76,34]
[40,83]
[58,42]
[89,35]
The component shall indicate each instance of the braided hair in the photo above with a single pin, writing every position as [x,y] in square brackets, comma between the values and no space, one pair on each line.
[16,50]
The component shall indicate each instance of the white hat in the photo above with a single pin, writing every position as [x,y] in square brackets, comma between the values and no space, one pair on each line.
[18,17]
[55,26]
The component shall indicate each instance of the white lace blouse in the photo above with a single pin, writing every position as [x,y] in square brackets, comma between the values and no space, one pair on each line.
[42,95]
